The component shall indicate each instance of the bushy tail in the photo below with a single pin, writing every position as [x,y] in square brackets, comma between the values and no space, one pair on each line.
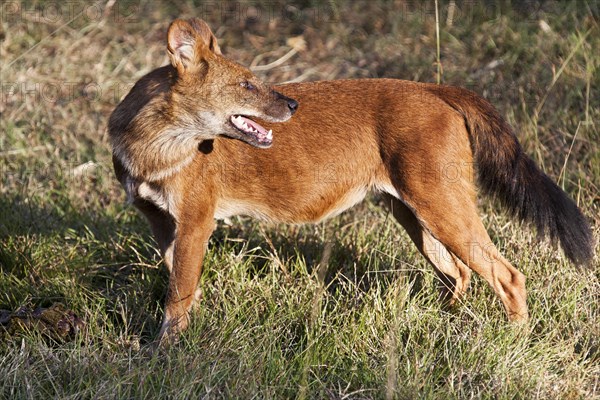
[505,171]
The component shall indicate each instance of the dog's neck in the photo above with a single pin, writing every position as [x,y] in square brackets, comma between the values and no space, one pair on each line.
[159,157]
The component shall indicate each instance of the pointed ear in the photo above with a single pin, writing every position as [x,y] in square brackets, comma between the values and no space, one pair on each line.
[204,32]
[189,43]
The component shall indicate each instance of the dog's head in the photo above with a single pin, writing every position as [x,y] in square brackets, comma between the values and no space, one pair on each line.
[217,96]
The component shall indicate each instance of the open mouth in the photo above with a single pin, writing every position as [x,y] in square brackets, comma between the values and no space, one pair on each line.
[252,132]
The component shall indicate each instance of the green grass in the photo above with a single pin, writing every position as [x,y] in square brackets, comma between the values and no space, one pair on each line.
[274,322]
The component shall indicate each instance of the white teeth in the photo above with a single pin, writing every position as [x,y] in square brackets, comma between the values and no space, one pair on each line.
[240,123]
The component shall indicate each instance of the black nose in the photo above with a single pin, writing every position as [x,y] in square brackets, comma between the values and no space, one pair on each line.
[293,105]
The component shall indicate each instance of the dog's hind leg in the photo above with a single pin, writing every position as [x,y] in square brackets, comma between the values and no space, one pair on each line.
[451,218]
[454,275]
[434,176]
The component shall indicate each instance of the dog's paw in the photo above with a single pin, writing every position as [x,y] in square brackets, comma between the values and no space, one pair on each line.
[171,329]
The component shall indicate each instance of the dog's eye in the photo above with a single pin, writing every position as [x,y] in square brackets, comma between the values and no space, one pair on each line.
[248,85]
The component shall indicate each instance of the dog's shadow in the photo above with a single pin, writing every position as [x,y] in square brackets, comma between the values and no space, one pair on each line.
[117,263]
[339,264]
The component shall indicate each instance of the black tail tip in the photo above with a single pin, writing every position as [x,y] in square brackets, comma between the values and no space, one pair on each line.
[568,224]
[578,242]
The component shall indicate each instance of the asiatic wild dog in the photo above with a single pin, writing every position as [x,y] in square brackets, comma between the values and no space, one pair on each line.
[203,138]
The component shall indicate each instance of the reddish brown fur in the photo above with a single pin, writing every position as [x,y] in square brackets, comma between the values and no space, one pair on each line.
[348,137]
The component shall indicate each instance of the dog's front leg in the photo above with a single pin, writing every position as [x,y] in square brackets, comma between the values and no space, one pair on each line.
[191,239]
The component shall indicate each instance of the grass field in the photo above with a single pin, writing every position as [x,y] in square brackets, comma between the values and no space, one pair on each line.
[275,322]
